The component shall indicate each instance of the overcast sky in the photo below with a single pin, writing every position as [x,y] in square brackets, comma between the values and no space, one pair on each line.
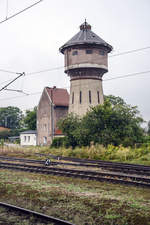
[30,43]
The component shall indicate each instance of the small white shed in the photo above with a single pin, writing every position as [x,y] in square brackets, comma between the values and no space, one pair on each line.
[28,138]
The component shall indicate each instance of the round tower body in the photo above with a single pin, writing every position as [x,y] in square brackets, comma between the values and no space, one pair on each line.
[86,60]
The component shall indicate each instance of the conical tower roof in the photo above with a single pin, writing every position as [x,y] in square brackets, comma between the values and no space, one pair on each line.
[86,37]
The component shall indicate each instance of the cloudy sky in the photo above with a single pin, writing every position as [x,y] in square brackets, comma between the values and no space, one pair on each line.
[30,43]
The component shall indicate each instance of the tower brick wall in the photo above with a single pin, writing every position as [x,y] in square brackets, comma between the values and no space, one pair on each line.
[86,61]
[84,94]
[81,59]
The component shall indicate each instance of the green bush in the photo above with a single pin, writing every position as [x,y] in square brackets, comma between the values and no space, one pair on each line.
[1,143]
[111,123]
[58,142]
[5,134]
[99,152]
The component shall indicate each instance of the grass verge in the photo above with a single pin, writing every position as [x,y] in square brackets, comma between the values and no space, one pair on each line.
[79,201]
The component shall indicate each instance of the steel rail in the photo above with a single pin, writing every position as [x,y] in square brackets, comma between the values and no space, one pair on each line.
[36,214]
[89,172]
[21,159]
[106,177]
[111,166]
[86,161]
[98,162]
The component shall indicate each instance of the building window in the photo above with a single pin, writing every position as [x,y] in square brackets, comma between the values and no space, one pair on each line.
[44,140]
[25,138]
[101,52]
[73,98]
[45,127]
[89,51]
[80,97]
[90,99]
[98,97]
[75,53]
[28,138]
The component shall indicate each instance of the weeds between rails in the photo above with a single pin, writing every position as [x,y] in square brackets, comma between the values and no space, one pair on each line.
[90,175]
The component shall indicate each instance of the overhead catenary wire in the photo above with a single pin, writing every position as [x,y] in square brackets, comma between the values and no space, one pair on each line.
[6,9]
[46,70]
[128,75]
[24,96]
[118,77]
[20,91]
[10,17]
[20,75]
[6,81]
[128,52]
[57,68]
[63,67]
[8,71]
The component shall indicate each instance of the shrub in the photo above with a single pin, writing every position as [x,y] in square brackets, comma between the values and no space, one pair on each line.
[58,142]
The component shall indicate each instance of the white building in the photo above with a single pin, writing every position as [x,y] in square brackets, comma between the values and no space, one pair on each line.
[28,138]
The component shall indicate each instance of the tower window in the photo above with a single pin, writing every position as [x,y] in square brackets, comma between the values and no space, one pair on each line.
[101,52]
[89,51]
[98,99]
[80,99]
[72,97]
[75,53]
[90,99]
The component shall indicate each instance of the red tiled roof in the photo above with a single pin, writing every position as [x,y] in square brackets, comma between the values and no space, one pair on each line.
[57,132]
[59,96]
[4,129]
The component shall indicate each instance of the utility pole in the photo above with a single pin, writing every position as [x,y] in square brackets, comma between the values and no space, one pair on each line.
[20,75]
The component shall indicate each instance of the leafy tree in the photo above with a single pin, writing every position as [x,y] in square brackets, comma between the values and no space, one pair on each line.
[30,119]
[148,131]
[10,117]
[69,126]
[114,122]
[114,100]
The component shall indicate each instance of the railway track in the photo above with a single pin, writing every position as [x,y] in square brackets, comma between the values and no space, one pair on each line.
[112,166]
[112,177]
[106,165]
[44,219]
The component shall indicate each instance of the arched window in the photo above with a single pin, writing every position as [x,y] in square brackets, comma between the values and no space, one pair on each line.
[101,52]
[98,99]
[89,51]
[90,98]
[72,97]
[80,97]
[75,53]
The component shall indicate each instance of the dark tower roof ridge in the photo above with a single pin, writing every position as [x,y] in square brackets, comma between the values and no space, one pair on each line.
[86,37]
[85,26]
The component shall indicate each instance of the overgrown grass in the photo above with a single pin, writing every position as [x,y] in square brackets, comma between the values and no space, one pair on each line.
[79,201]
[137,155]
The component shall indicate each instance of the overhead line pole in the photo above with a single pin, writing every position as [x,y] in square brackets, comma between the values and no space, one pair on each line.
[20,75]
[7,18]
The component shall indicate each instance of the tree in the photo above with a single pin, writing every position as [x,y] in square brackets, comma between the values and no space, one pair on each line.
[30,119]
[69,126]
[114,122]
[10,117]
[148,131]
[114,100]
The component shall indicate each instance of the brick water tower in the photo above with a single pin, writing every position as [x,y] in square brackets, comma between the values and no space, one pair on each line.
[86,60]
